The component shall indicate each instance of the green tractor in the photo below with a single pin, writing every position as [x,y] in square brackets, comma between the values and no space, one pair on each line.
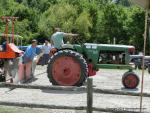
[71,65]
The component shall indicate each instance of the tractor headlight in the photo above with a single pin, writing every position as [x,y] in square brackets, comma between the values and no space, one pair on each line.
[132,65]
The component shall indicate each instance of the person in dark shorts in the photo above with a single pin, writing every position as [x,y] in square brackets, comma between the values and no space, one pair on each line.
[46,50]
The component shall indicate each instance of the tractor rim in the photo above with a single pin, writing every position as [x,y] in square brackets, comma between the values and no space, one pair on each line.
[66,71]
[131,81]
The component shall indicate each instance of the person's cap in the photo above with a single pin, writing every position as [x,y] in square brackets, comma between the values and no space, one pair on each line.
[34,41]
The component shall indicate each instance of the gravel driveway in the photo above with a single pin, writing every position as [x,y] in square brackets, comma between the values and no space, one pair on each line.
[105,79]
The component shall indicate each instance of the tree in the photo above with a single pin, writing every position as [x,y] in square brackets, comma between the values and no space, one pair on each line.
[112,22]
[83,24]
[63,17]
[97,21]
[136,27]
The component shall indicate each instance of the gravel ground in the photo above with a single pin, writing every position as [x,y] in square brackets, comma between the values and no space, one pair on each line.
[71,99]
[105,79]
[11,109]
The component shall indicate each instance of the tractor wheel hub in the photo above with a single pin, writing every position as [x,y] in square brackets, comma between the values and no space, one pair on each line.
[66,70]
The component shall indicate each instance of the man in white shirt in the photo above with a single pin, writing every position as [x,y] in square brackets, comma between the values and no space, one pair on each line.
[46,50]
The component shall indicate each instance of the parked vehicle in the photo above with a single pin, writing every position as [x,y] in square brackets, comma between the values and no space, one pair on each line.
[9,51]
[137,60]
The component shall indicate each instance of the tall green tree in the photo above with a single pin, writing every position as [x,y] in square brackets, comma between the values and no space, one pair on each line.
[97,21]
[112,22]
[136,27]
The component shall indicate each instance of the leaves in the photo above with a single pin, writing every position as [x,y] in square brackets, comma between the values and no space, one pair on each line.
[83,23]
[96,21]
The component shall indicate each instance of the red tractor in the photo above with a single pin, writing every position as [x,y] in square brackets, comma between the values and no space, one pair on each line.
[8,51]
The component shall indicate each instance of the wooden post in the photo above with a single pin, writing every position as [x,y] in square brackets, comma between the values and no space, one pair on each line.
[146,5]
[143,63]
[89,95]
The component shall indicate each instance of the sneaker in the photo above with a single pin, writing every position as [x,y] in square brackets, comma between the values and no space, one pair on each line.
[21,82]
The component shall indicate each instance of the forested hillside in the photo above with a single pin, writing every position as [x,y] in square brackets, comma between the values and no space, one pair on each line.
[97,21]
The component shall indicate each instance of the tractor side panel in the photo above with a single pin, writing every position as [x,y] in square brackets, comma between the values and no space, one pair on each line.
[92,53]
[78,48]
[107,56]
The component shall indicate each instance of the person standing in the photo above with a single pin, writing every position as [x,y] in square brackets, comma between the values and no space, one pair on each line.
[46,50]
[25,68]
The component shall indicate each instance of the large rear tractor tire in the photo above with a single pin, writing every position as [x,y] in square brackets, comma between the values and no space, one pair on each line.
[130,80]
[67,68]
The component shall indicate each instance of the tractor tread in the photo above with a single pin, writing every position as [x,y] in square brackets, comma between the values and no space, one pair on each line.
[73,54]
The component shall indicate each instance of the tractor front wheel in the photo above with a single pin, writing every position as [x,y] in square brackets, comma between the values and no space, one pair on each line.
[130,80]
[67,68]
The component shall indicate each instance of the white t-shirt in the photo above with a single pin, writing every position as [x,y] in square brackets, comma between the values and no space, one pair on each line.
[46,48]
